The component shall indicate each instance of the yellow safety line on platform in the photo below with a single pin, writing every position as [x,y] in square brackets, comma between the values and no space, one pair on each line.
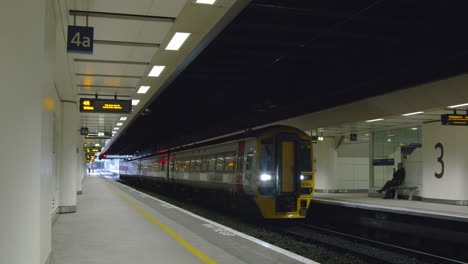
[179,239]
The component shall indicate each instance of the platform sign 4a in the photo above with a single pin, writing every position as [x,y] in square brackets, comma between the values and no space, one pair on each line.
[80,39]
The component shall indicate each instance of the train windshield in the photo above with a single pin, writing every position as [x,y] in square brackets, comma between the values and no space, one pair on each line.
[305,157]
[266,158]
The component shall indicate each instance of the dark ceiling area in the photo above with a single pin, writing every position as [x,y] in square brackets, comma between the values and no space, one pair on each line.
[283,58]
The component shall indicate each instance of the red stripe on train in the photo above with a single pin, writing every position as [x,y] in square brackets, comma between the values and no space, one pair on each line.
[240,166]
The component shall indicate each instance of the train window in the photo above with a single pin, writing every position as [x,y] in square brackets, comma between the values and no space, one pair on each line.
[220,162]
[248,165]
[211,163]
[204,163]
[185,165]
[305,157]
[230,161]
[197,164]
[266,158]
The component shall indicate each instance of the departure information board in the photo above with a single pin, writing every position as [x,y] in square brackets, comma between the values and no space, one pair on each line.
[105,106]
[454,120]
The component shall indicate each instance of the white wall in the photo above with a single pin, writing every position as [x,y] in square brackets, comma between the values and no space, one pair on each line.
[345,168]
[454,183]
[352,172]
[26,176]
[414,170]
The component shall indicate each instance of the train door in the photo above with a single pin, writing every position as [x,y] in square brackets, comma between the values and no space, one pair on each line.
[290,155]
[287,149]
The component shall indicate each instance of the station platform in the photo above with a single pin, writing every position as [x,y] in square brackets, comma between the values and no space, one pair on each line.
[117,224]
[400,206]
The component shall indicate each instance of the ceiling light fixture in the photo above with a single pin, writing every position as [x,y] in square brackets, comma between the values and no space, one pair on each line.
[414,113]
[177,40]
[156,71]
[374,120]
[455,106]
[414,128]
[119,124]
[208,2]
[135,102]
[143,89]
[116,128]
[123,118]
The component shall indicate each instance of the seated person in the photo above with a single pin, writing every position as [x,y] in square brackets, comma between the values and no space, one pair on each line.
[398,178]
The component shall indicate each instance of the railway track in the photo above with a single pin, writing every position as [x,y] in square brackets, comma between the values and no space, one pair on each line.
[372,250]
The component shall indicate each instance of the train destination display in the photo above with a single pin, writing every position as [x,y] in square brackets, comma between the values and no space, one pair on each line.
[105,106]
[454,120]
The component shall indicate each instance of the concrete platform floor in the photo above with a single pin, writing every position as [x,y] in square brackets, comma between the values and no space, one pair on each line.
[362,200]
[115,224]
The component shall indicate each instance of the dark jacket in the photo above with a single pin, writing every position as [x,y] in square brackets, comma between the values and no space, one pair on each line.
[399,175]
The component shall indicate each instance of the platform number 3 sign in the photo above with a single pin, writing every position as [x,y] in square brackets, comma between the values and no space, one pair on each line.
[439,160]
[80,39]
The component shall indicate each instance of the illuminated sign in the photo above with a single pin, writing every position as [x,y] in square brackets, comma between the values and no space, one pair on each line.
[92,150]
[99,135]
[454,120]
[105,106]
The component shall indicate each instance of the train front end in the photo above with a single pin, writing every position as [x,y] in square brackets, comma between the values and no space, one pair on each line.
[285,174]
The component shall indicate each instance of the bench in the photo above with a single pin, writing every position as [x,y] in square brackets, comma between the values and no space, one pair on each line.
[411,188]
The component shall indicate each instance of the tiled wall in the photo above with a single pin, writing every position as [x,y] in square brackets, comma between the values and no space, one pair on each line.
[352,172]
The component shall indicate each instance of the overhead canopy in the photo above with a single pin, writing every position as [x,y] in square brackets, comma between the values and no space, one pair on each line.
[283,58]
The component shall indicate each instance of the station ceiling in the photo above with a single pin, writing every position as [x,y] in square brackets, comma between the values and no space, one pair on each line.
[282,58]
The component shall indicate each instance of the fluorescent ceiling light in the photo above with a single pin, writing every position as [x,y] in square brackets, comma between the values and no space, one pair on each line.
[374,120]
[454,106]
[208,2]
[414,128]
[97,145]
[123,118]
[143,89]
[177,40]
[135,102]
[156,71]
[414,113]
[119,124]
[116,128]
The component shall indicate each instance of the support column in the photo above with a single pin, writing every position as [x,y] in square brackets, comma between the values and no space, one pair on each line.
[445,164]
[69,159]
[371,160]
[325,179]
[23,78]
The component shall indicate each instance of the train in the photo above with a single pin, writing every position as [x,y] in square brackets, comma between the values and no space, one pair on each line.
[272,167]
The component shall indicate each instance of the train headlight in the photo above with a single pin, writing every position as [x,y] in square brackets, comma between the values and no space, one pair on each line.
[302,177]
[265,177]
[305,177]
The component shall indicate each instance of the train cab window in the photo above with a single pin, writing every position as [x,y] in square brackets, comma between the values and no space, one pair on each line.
[248,165]
[266,158]
[305,157]
[230,161]
[220,162]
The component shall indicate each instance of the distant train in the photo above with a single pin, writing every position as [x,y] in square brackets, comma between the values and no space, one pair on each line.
[271,166]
